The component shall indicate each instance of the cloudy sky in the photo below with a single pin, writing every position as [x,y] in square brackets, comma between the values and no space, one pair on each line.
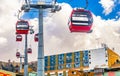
[57,36]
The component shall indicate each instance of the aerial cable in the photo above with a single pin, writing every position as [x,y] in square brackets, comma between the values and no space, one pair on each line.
[27,1]
[86,4]
[26,7]
[18,16]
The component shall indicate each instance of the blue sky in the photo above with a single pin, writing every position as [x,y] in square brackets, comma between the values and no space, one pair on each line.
[106,28]
[95,6]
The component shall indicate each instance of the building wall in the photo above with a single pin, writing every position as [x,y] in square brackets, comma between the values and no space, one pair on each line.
[98,58]
[84,59]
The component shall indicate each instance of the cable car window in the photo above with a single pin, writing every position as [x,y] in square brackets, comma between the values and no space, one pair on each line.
[81,18]
[22,25]
[36,35]
[19,37]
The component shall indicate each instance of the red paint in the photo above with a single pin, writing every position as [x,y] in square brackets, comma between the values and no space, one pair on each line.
[36,37]
[18,37]
[18,54]
[22,27]
[29,50]
[80,25]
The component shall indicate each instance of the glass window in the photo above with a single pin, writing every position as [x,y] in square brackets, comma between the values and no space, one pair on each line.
[77,60]
[77,65]
[60,62]
[77,54]
[60,67]
[52,68]
[81,18]
[68,65]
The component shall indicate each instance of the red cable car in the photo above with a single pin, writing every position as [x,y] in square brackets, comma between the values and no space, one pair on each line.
[19,37]
[29,50]
[36,37]
[80,20]
[22,27]
[18,54]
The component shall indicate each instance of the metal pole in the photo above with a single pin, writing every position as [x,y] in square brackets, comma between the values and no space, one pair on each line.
[26,58]
[20,63]
[40,70]
[40,65]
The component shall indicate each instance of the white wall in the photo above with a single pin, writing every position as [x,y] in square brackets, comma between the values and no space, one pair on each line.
[98,58]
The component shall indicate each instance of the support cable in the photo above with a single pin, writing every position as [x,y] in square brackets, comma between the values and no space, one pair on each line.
[86,4]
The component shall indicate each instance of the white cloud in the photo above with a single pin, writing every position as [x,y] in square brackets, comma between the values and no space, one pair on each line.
[57,27]
[108,31]
[57,37]
[1,31]
[3,41]
[108,6]
[7,28]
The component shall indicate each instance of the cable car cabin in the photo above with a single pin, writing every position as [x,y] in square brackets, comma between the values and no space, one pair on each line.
[80,21]
[18,37]
[29,50]
[18,54]
[36,37]
[22,27]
